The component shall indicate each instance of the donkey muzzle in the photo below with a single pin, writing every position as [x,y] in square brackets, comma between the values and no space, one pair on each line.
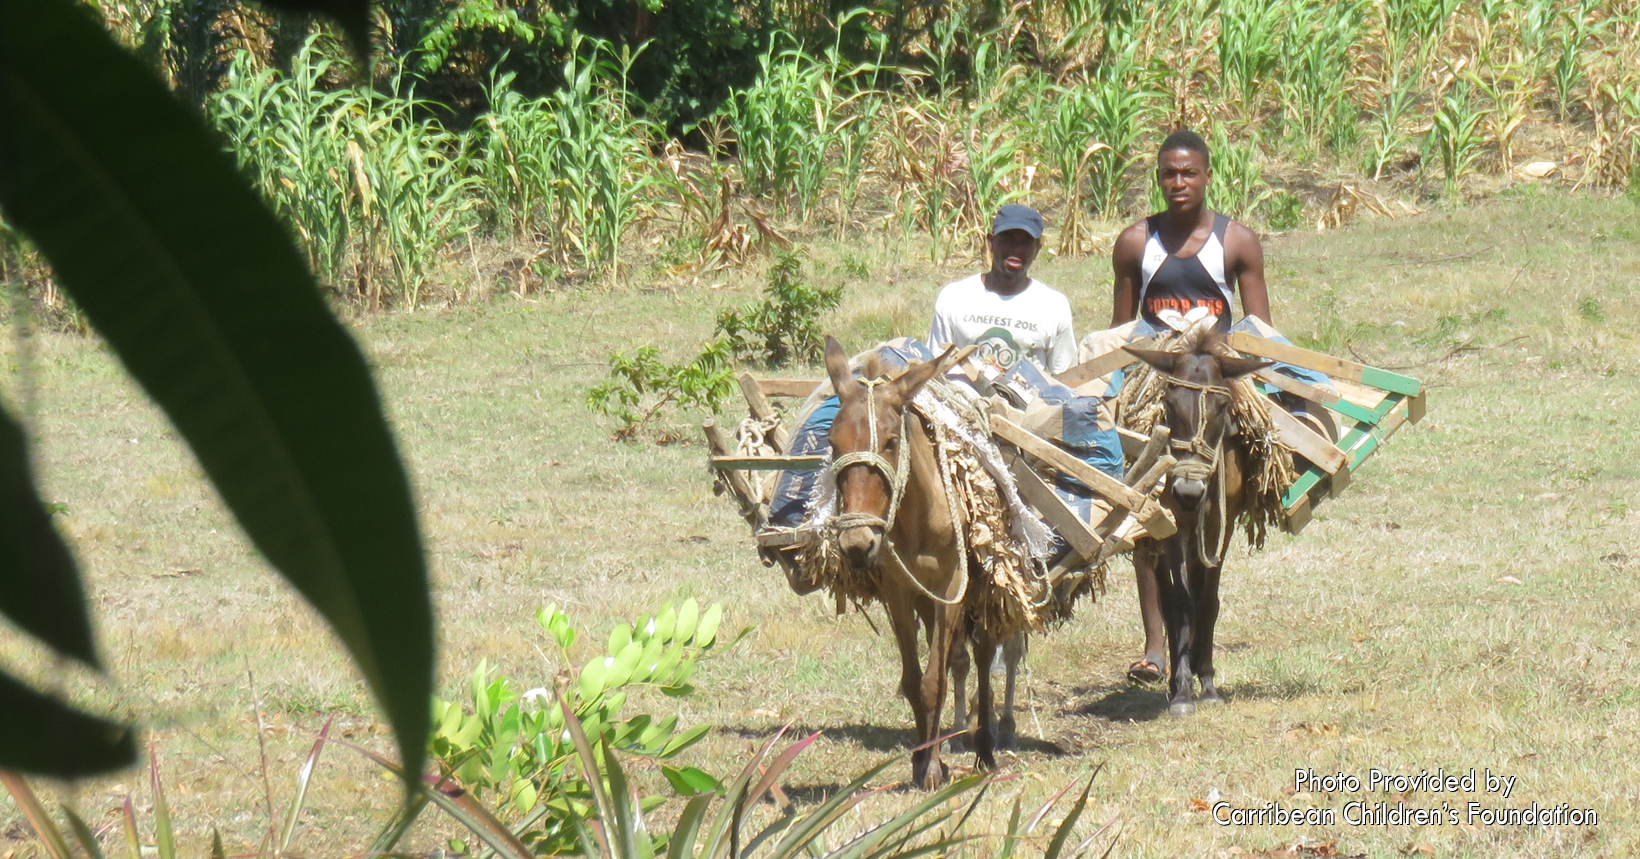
[1189,492]
[861,545]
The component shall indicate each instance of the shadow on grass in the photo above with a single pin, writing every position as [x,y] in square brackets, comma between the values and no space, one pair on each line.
[1124,703]
[877,738]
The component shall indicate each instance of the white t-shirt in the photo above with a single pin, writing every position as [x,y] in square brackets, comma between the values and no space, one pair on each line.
[1035,323]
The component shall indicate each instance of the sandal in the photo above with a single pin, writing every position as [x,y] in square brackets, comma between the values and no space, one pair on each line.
[1145,671]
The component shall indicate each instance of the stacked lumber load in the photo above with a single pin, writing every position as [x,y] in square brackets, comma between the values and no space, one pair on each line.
[1370,405]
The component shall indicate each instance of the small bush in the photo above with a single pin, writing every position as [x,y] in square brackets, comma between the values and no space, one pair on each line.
[785,327]
[641,387]
[1283,210]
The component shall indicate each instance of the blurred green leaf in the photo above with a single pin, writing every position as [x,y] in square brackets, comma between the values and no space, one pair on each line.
[689,781]
[150,228]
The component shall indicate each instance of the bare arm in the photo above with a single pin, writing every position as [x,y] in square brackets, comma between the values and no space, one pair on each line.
[1247,261]
[1125,262]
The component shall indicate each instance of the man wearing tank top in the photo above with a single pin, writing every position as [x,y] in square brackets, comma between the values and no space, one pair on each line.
[1177,261]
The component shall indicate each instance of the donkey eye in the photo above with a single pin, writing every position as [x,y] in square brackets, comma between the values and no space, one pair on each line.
[891,444]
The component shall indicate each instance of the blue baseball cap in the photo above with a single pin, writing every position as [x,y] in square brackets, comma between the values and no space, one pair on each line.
[1015,216]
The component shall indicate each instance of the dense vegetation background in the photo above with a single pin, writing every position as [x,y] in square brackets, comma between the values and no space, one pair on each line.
[521,145]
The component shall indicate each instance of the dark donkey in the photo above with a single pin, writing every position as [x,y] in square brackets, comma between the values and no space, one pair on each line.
[894,517]
[1206,494]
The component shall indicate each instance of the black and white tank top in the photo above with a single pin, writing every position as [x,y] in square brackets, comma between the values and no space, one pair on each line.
[1183,283]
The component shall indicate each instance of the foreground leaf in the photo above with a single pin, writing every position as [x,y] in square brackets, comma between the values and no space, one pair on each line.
[39,587]
[200,292]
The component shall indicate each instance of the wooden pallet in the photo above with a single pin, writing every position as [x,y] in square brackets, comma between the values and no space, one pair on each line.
[1131,509]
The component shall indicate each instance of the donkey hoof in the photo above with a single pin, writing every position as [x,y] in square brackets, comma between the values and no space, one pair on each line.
[959,743]
[1210,699]
[1182,709]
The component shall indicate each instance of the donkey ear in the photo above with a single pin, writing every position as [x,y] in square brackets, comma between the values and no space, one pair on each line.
[908,383]
[1232,368]
[1164,361]
[837,365]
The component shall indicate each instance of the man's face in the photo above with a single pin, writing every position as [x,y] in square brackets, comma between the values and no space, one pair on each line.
[1183,175]
[1012,252]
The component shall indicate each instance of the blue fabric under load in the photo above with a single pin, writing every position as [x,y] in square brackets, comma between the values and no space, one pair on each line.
[793,489]
[1079,432]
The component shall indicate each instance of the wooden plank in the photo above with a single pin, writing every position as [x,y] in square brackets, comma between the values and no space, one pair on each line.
[1357,444]
[1305,441]
[1361,395]
[1287,353]
[1047,452]
[1154,447]
[1316,395]
[768,463]
[1132,443]
[784,539]
[1155,519]
[1297,516]
[1101,365]
[779,439]
[751,506]
[1045,501]
[1415,409]
[788,387]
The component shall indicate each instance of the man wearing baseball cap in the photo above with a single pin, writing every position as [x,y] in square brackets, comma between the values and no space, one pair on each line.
[1005,311]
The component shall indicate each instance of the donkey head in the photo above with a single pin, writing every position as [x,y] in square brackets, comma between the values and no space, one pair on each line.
[867,448]
[1197,402]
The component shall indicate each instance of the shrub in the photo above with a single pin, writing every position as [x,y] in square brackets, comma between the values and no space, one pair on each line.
[785,327]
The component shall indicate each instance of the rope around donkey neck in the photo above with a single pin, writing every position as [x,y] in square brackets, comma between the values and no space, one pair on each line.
[898,476]
[1205,469]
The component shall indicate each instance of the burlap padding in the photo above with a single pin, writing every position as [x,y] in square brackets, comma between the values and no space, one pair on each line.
[1270,472]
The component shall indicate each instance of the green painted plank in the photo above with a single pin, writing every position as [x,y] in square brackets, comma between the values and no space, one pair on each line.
[1394,382]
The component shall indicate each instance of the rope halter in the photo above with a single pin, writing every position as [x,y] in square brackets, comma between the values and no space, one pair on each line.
[1204,468]
[894,473]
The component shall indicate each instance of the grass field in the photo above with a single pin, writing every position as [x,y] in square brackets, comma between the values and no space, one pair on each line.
[1468,602]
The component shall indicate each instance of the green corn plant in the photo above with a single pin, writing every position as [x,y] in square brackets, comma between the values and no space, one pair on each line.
[416,195]
[855,136]
[1238,185]
[1511,93]
[782,122]
[1316,75]
[518,177]
[993,147]
[1455,134]
[288,136]
[1389,136]
[1249,47]
[602,152]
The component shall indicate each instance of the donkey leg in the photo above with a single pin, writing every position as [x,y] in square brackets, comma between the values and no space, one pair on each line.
[934,679]
[1177,610]
[903,617]
[985,650]
[1205,584]
[1013,651]
[960,666]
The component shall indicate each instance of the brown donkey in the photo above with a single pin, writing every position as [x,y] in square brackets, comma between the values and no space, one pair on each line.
[893,516]
[1206,493]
